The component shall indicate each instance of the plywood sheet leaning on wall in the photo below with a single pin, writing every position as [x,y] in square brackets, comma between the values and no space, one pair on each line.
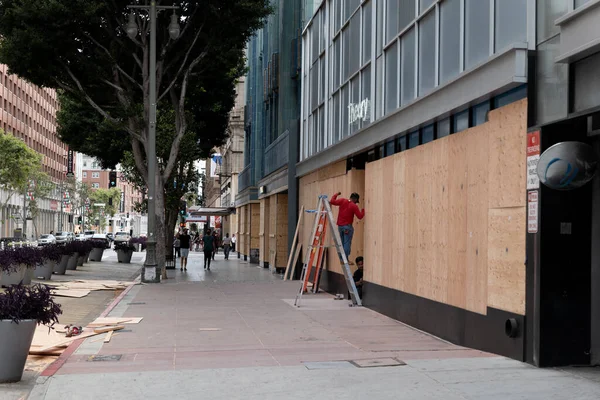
[506,275]
[445,233]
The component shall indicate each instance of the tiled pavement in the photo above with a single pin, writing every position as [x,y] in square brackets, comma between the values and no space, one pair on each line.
[266,348]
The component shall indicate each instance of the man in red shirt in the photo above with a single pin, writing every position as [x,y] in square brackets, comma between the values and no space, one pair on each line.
[348,209]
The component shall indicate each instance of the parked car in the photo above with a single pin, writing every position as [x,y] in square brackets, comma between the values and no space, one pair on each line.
[101,237]
[62,237]
[89,234]
[71,236]
[46,239]
[122,237]
[110,236]
[80,237]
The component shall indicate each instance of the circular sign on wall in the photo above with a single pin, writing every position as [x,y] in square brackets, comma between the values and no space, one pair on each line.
[567,165]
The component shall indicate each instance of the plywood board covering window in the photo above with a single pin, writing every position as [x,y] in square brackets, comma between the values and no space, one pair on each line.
[446,220]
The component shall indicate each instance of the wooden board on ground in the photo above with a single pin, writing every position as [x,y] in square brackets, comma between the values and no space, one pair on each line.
[52,347]
[295,244]
[76,293]
[104,321]
[209,329]
[109,336]
[43,338]
[109,328]
[88,285]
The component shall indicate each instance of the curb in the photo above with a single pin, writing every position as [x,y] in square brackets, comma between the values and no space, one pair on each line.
[62,359]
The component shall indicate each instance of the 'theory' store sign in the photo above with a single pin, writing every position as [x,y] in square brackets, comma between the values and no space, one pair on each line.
[359,111]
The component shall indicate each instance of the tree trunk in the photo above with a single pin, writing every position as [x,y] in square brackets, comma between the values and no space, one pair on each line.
[160,225]
[170,223]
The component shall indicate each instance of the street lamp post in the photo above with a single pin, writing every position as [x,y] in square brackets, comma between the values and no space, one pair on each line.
[151,272]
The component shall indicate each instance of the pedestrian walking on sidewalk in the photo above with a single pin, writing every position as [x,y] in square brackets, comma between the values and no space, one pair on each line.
[208,240]
[233,241]
[348,209]
[177,245]
[227,245]
[184,242]
[215,244]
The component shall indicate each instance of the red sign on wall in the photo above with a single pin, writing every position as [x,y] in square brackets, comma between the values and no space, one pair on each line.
[53,205]
[533,156]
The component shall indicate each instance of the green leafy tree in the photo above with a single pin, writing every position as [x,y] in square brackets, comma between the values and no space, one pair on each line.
[81,47]
[18,165]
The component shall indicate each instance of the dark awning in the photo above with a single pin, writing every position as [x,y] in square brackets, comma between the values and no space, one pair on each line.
[210,211]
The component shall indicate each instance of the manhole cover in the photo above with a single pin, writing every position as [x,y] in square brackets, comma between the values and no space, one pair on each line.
[113,357]
[136,303]
[327,364]
[378,362]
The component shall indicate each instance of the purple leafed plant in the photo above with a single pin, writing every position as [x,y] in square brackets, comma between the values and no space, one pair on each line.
[137,240]
[52,252]
[10,259]
[68,249]
[19,303]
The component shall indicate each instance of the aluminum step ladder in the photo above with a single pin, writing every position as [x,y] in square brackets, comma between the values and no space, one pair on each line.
[315,252]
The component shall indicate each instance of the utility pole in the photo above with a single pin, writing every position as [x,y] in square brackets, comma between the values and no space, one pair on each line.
[151,271]
[62,200]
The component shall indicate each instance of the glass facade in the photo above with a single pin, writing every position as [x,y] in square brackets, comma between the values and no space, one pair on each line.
[381,55]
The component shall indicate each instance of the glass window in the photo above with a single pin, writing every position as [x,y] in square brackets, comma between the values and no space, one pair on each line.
[344,105]
[85,174]
[366,32]
[480,113]
[353,117]
[551,83]
[428,134]
[549,11]
[443,128]
[335,15]
[315,29]
[351,5]
[354,56]
[391,29]
[366,101]
[587,83]
[322,80]
[407,13]
[335,63]
[322,133]
[390,148]
[346,54]
[477,32]
[427,53]
[335,113]
[413,139]
[511,23]
[511,96]
[461,121]
[314,86]
[579,3]
[408,67]
[449,39]
[315,135]
[401,144]
[379,27]
[425,4]
[391,78]
[380,88]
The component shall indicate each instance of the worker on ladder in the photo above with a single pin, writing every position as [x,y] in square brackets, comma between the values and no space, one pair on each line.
[345,219]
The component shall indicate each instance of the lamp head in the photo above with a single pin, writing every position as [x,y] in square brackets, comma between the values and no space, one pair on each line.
[131,28]
[174,29]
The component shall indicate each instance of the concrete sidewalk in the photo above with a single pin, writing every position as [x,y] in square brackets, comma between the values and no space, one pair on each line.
[233,332]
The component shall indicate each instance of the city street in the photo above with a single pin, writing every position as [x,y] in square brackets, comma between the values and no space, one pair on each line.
[233,332]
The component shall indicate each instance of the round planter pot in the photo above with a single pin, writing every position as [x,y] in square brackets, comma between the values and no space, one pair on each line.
[80,260]
[14,278]
[14,348]
[87,257]
[72,264]
[61,266]
[28,276]
[44,271]
[96,254]
[124,256]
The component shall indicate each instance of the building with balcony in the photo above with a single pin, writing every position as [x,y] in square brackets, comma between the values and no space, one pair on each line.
[28,112]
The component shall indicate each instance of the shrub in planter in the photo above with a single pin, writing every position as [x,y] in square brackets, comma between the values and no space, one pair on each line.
[67,251]
[81,250]
[51,255]
[17,264]
[98,247]
[124,251]
[21,309]
[72,249]
[138,240]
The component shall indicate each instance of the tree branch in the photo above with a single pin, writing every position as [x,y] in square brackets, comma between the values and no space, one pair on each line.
[187,54]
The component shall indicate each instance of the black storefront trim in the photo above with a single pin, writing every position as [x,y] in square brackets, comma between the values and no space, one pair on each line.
[459,326]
